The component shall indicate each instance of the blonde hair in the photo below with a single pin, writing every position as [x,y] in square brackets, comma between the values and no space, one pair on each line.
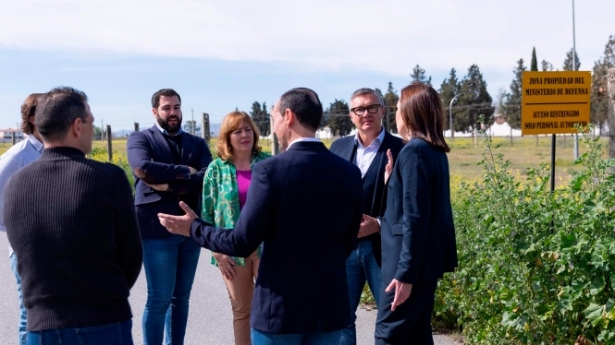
[231,122]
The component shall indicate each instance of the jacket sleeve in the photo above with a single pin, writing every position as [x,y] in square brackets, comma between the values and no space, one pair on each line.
[140,156]
[210,194]
[355,223]
[194,184]
[412,169]
[128,238]
[253,225]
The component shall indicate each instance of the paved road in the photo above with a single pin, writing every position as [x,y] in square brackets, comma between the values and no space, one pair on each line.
[210,317]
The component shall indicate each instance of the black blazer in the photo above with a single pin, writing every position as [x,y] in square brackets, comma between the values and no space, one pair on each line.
[304,205]
[149,151]
[418,235]
[373,181]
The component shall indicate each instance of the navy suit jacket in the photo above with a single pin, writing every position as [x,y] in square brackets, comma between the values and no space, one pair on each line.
[418,234]
[304,205]
[373,181]
[149,151]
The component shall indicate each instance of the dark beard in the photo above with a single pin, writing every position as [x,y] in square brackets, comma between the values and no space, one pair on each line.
[170,129]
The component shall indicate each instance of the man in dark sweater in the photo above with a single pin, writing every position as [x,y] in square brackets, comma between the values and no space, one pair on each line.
[71,222]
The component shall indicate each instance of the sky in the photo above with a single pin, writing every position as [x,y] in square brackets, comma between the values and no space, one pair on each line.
[221,55]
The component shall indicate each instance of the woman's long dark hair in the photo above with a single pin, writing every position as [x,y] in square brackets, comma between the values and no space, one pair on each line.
[421,110]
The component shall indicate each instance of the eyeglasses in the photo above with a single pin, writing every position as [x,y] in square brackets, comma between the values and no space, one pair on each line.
[372,109]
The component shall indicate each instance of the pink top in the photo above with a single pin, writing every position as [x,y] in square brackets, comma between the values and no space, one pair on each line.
[243,183]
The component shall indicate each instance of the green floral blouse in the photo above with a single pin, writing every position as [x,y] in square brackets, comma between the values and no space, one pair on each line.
[221,196]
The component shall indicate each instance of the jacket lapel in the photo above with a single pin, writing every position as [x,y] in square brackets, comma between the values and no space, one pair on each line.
[348,151]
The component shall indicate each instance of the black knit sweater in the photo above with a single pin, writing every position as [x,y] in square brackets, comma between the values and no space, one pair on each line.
[72,224]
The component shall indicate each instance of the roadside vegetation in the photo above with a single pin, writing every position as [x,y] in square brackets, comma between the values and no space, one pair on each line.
[536,267]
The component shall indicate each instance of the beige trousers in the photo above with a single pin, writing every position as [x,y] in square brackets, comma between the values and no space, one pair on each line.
[241,291]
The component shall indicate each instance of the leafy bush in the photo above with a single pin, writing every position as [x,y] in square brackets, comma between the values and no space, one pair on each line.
[535,267]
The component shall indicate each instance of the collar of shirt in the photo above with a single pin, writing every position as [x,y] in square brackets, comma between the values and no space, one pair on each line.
[35,143]
[376,143]
[164,131]
[302,139]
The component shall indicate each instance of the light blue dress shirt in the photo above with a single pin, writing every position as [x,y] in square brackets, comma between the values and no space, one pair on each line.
[17,157]
[365,155]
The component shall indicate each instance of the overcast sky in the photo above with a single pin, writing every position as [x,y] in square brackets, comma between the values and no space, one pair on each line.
[220,55]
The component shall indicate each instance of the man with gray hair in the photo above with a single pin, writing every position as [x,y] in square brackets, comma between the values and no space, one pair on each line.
[367,149]
[76,236]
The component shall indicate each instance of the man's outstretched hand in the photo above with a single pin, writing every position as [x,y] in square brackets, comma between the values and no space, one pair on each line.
[179,225]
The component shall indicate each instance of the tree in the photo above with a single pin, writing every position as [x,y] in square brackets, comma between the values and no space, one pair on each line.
[390,101]
[418,74]
[339,118]
[474,101]
[97,133]
[599,100]
[546,66]
[260,116]
[448,89]
[265,126]
[384,120]
[512,106]
[324,121]
[534,64]
[609,52]
[568,62]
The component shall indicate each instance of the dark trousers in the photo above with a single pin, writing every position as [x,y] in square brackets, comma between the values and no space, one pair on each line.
[410,323]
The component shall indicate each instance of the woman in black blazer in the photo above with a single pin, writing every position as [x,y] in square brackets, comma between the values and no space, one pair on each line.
[418,235]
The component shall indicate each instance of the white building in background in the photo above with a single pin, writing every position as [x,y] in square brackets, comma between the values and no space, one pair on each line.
[324,133]
[501,128]
[6,135]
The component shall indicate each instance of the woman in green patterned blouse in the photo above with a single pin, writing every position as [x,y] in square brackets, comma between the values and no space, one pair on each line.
[225,188]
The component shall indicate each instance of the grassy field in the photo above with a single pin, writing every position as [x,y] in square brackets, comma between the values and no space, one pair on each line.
[523,153]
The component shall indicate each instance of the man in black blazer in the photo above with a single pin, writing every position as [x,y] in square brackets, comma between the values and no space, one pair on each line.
[368,151]
[305,206]
[169,166]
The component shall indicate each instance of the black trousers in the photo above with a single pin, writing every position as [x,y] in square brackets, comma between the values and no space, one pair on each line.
[410,323]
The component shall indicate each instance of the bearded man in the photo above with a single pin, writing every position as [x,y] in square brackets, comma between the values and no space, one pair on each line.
[169,165]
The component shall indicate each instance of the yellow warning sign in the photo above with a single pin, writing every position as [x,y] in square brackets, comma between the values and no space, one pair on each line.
[554,102]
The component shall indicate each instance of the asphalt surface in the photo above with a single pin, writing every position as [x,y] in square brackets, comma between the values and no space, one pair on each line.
[210,319]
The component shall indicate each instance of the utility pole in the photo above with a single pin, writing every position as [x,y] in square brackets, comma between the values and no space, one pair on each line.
[205,132]
[192,123]
[109,147]
[574,68]
[275,146]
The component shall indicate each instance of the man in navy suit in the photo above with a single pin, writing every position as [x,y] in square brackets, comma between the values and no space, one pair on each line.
[368,151]
[169,166]
[305,206]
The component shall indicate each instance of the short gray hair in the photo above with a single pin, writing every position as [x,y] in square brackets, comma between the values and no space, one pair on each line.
[367,91]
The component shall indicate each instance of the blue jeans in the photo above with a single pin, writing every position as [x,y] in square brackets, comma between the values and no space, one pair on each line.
[170,265]
[361,266]
[118,333]
[263,338]
[22,310]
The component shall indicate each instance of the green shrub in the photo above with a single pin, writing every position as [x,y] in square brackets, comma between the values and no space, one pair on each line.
[535,267]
